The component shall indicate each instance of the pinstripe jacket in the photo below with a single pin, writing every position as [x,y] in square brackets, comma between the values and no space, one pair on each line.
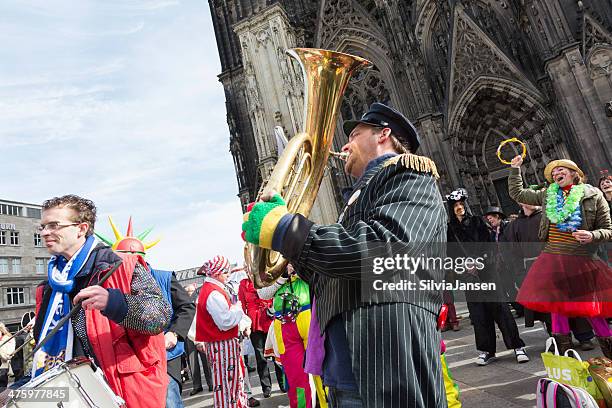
[392,203]
[395,205]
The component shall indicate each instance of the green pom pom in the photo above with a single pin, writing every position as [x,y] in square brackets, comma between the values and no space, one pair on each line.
[252,227]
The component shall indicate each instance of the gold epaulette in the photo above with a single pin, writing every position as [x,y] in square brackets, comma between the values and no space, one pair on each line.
[412,161]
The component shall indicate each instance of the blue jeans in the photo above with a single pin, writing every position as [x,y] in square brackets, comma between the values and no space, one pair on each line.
[344,399]
[173,397]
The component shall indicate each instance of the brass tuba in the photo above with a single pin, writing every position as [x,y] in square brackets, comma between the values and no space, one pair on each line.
[299,170]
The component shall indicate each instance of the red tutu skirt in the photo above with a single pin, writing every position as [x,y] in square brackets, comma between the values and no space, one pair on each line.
[571,285]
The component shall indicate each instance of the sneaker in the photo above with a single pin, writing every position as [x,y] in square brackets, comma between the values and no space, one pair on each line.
[521,355]
[484,358]
[587,345]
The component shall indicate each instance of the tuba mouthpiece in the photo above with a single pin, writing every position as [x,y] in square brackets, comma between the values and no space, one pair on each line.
[340,155]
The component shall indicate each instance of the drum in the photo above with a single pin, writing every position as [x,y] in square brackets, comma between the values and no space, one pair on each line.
[79,378]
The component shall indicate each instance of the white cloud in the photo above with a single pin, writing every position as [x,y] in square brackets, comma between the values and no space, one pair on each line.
[120,102]
[188,239]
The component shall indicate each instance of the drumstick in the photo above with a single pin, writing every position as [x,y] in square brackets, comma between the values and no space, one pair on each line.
[26,341]
[16,333]
[72,312]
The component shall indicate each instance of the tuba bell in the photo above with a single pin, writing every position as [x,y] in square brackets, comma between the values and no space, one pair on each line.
[299,170]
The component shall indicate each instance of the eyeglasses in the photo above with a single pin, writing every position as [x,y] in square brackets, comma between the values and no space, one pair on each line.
[54,226]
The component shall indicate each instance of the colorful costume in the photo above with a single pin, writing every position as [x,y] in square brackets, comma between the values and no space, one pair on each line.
[183,309]
[567,279]
[217,326]
[292,313]
[451,387]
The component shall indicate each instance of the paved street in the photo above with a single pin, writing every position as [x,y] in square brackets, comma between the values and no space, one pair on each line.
[205,398]
[503,383]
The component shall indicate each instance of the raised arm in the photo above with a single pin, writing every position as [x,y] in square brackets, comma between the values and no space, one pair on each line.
[515,186]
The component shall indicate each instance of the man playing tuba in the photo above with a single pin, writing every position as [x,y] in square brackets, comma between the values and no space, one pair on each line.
[381,349]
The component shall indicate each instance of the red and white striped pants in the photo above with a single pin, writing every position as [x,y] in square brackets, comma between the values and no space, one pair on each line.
[228,373]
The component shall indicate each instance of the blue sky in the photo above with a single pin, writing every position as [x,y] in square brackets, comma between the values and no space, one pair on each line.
[119,101]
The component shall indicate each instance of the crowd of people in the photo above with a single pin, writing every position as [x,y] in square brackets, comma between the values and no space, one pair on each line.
[334,339]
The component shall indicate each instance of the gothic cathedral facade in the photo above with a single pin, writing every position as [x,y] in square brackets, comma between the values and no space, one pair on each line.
[467,73]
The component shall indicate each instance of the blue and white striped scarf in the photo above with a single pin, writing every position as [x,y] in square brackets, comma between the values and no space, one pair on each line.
[61,273]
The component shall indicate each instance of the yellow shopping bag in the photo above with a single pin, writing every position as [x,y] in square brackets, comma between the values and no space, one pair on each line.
[569,370]
[451,387]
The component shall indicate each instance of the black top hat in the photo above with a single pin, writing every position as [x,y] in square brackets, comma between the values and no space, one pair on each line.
[494,210]
[383,116]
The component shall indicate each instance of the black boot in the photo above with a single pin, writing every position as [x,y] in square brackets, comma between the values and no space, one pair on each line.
[564,342]
[605,343]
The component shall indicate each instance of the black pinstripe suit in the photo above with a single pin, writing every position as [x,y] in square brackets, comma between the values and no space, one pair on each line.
[392,337]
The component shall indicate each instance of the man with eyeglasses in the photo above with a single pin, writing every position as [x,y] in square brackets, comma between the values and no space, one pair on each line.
[121,323]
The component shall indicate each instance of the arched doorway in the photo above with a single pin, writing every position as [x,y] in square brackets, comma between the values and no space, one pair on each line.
[489,111]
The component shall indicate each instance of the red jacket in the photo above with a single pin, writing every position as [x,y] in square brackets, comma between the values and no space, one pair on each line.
[254,307]
[206,328]
[133,363]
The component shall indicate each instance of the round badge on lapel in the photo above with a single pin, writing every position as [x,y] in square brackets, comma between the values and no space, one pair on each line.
[353,197]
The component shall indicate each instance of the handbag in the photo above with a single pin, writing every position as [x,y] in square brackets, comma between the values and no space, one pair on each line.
[601,370]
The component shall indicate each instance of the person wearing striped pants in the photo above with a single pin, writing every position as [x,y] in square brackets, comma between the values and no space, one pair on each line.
[217,327]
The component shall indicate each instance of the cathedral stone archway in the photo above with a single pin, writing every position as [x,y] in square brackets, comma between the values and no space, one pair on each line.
[490,111]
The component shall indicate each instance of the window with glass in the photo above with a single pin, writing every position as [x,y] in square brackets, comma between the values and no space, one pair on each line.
[2,237]
[14,238]
[4,263]
[8,209]
[15,296]
[16,265]
[40,265]
[37,240]
[33,212]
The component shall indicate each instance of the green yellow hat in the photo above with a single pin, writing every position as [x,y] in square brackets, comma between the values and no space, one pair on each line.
[561,163]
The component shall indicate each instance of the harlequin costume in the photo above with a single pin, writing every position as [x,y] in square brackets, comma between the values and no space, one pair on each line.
[292,314]
[217,323]
[567,279]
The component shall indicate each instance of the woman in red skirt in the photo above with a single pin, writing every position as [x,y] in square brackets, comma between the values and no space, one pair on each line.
[568,279]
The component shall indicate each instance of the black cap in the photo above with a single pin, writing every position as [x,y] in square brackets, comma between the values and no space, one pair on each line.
[382,116]
[494,210]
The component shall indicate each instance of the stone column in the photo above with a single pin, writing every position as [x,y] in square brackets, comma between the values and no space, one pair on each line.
[585,112]
[274,92]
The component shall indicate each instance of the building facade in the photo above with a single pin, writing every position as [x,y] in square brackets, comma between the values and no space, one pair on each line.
[468,73]
[23,259]
[188,276]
